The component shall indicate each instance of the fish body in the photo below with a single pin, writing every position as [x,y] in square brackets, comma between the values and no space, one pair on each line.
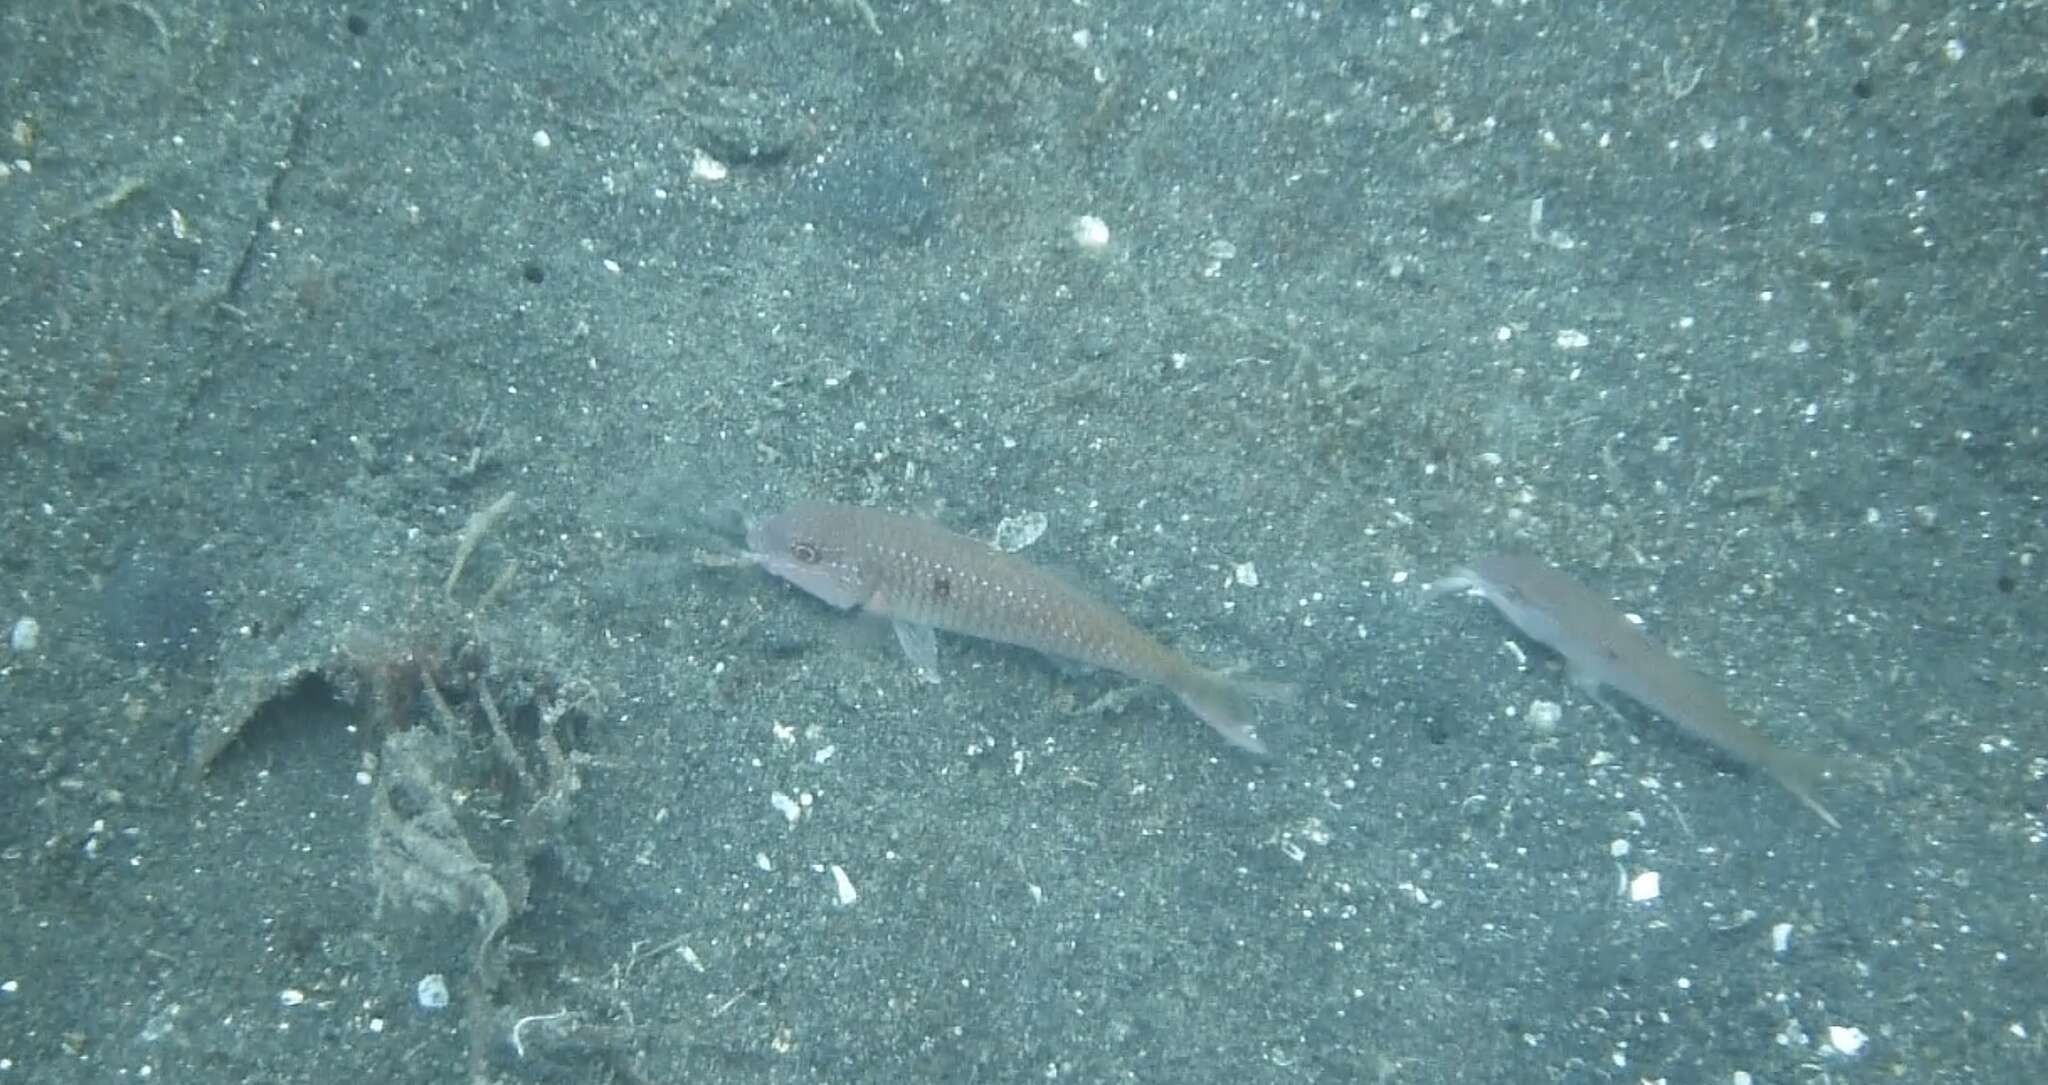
[922,577]
[1603,649]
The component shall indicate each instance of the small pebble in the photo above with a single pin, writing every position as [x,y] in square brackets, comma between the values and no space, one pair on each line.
[1090,234]
[1645,887]
[1846,1041]
[1019,531]
[432,991]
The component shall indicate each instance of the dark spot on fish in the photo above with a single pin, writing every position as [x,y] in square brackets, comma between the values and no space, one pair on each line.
[804,552]
[942,588]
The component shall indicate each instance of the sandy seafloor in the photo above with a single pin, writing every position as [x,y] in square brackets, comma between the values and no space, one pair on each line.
[1735,311]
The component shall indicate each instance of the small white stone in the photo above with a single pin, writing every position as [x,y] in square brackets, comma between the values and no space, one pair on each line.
[1846,1041]
[843,885]
[291,996]
[790,808]
[541,140]
[431,992]
[26,637]
[1544,715]
[1245,574]
[1090,233]
[1781,937]
[1645,887]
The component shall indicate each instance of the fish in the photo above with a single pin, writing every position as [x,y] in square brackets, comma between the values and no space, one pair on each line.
[923,578]
[1602,649]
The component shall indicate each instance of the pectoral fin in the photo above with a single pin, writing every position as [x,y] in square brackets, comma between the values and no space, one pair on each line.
[921,644]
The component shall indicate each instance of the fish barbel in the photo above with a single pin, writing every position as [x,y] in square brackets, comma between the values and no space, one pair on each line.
[922,577]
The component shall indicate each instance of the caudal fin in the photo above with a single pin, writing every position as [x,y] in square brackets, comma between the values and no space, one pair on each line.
[1228,703]
[1801,774]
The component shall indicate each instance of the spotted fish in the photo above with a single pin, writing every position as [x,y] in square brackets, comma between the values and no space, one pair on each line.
[922,577]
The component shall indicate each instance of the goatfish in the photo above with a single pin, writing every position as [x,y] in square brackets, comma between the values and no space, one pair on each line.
[921,578]
[1602,649]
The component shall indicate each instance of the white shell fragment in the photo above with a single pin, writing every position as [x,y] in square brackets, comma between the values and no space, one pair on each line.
[705,168]
[26,636]
[1019,531]
[843,885]
[791,809]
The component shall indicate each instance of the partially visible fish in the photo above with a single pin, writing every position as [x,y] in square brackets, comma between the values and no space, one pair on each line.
[1602,648]
[922,577]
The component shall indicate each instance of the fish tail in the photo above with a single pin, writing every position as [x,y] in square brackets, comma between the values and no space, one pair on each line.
[1227,703]
[1801,774]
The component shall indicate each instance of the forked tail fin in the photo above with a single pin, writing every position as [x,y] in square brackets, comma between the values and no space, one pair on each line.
[1228,703]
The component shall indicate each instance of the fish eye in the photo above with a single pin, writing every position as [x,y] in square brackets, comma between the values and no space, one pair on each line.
[804,552]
